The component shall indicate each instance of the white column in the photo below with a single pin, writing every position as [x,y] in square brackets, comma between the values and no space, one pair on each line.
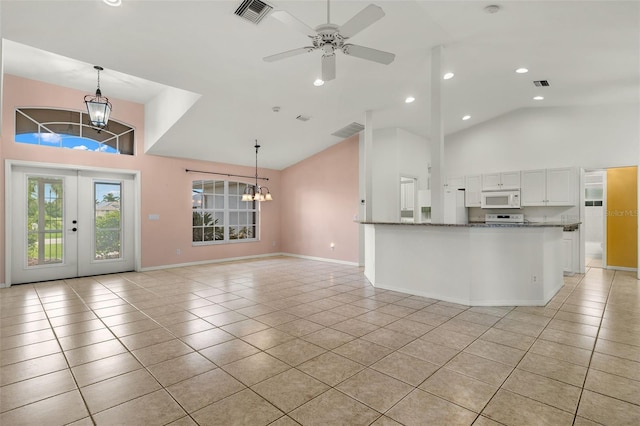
[437,138]
[368,165]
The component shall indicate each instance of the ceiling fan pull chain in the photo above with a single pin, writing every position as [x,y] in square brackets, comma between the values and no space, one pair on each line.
[328,11]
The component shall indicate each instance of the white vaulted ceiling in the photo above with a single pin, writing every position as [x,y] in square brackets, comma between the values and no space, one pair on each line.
[589,51]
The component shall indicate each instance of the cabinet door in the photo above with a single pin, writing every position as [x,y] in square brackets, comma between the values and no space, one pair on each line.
[473,189]
[510,180]
[561,187]
[455,183]
[567,254]
[491,182]
[533,191]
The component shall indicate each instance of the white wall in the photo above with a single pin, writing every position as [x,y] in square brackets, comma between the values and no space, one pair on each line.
[385,185]
[413,156]
[396,153]
[589,137]
[534,138]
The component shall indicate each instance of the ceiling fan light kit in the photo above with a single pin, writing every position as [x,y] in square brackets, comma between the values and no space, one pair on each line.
[330,38]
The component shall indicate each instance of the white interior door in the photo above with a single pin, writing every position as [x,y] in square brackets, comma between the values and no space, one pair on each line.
[69,223]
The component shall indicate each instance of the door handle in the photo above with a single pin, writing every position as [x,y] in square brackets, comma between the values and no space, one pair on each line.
[74,229]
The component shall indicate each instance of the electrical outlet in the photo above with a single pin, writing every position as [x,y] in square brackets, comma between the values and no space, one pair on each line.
[273,243]
[178,252]
[534,279]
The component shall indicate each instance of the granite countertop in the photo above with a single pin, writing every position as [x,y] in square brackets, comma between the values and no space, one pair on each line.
[567,227]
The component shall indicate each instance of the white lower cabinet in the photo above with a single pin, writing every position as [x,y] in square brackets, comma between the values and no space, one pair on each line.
[570,252]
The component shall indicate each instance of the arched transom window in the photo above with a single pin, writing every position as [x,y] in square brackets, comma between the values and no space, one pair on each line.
[71,129]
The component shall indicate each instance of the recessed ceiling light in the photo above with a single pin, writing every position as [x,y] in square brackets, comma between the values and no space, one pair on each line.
[318,82]
[409,99]
[522,70]
[538,98]
[448,76]
[113,2]
[466,117]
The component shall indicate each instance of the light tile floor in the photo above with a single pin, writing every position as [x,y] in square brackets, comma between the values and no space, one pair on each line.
[284,341]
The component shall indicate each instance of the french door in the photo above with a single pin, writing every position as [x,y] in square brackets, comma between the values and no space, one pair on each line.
[70,223]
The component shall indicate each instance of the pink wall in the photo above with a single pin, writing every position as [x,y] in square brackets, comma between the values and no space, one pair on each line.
[165,187]
[319,200]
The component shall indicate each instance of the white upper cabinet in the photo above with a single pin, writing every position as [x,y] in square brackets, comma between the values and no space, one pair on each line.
[561,187]
[534,188]
[500,181]
[473,190]
[510,180]
[491,182]
[550,187]
[454,183]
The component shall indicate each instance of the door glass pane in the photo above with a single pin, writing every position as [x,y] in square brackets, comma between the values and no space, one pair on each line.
[45,236]
[107,223]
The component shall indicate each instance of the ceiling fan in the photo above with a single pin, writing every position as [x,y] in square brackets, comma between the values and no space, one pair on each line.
[330,38]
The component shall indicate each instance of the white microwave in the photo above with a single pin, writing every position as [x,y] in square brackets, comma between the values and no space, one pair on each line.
[500,199]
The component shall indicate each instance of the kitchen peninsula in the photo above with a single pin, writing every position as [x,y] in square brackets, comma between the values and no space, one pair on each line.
[476,264]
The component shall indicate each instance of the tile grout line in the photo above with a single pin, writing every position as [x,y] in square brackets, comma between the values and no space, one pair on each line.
[527,352]
[594,346]
[440,367]
[62,351]
[127,349]
[363,296]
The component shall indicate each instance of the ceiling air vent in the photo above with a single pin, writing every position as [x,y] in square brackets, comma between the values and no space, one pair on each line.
[541,83]
[349,130]
[253,10]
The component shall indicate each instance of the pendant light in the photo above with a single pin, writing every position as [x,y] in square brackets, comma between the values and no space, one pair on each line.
[256,192]
[98,106]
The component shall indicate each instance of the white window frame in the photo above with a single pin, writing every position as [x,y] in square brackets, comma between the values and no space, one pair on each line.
[200,204]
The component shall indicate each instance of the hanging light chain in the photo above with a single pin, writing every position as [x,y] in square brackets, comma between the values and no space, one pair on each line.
[99,68]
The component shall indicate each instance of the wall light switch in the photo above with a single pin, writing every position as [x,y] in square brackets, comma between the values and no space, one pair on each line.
[154,217]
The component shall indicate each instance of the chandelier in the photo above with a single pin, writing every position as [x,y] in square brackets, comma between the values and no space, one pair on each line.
[256,192]
[98,107]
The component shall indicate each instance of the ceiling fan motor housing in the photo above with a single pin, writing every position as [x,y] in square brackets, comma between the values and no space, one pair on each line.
[328,38]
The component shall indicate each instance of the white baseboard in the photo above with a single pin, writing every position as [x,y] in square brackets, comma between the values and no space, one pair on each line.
[622,268]
[206,262]
[322,259]
[259,256]
[466,302]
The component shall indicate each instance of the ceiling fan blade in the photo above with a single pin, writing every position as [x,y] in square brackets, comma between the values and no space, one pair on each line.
[288,54]
[290,20]
[361,20]
[328,67]
[368,53]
